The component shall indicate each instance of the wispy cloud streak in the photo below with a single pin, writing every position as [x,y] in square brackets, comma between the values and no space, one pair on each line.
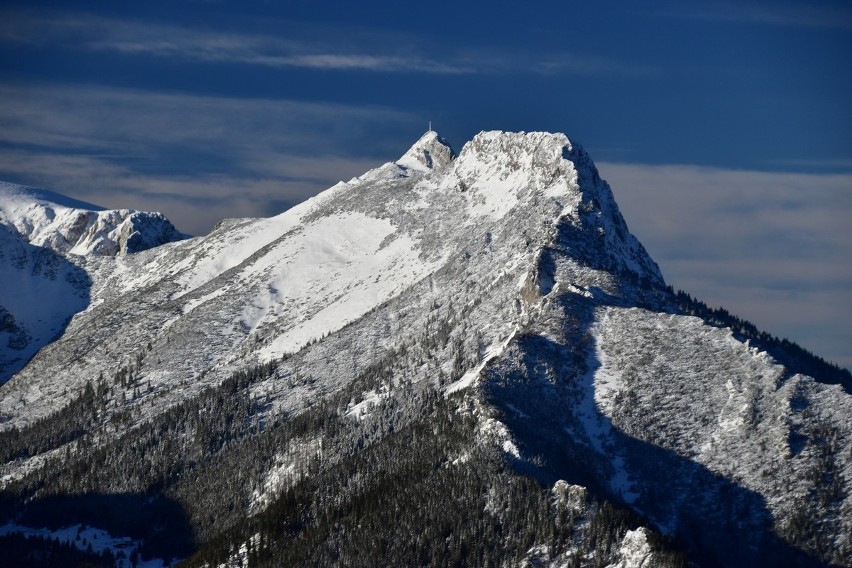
[328,50]
[197,158]
[81,31]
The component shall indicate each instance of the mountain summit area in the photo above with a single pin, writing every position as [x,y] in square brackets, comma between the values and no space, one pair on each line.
[451,360]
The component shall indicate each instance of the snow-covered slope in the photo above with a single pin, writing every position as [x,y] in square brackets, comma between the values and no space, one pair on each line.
[505,276]
[258,289]
[40,291]
[41,286]
[51,220]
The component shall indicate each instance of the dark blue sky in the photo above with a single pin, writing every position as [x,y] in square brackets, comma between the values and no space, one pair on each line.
[765,86]
[724,128]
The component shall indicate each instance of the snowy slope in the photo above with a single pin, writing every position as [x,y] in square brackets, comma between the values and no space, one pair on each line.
[430,152]
[41,287]
[40,291]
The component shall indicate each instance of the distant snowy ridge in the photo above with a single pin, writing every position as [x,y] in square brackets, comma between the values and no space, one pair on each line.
[50,220]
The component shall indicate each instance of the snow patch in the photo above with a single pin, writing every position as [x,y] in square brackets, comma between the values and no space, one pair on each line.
[195,302]
[635,551]
[490,353]
[371,398]
[285,472]
[492,428]
[82,537]
[340,268]
[240,558]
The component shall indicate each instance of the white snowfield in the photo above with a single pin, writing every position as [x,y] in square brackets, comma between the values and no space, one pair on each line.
[39,292]
[512,263]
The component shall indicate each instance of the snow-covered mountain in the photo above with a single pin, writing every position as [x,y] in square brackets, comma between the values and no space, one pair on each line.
[50,220]
[495,300]
[42,284]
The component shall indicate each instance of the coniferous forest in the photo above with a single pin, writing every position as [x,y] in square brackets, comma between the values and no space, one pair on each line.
[408,485]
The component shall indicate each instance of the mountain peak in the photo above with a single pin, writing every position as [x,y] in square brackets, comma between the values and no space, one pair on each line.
[332,338]
[428,153]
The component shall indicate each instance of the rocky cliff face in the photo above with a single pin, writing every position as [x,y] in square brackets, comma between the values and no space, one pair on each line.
[500,286]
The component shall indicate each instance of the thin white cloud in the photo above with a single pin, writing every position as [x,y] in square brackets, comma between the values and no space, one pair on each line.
[586,64]
[301,47]
[813,163]
[82,31]
[94,117]
[775,248]
[363,62]
[127,121]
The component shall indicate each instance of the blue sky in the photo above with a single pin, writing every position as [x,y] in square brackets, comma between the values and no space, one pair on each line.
[725,129]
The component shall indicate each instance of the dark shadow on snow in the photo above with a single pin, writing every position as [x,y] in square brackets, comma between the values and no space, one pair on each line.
[35,280]
[719,522]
